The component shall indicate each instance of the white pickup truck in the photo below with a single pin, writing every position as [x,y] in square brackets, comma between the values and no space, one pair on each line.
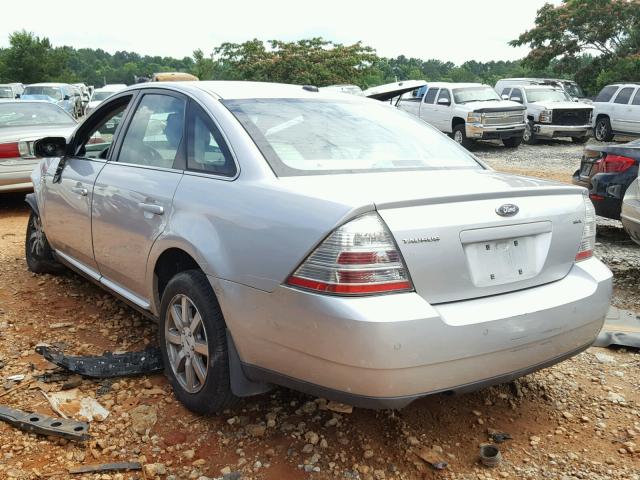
[550,112]
[468,112]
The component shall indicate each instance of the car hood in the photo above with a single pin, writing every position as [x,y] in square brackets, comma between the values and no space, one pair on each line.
[493,106]
[13,134]
[396,189]
[564,105]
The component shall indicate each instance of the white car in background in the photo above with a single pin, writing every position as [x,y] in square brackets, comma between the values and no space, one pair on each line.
[100,95]
[617,111]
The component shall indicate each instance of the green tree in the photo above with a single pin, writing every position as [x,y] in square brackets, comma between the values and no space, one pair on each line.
[28,58]
[563,34]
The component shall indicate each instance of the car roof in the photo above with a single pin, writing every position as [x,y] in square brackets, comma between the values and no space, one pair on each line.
[48,84]
[532,79]
[454,85]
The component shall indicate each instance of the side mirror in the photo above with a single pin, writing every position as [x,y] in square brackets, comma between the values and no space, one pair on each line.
[505,97]
[444,101]
[576,100]
[66,97]
[516,99]
[50,147]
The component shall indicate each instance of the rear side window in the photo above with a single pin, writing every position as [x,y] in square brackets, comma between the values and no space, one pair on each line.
[606,93]
[636,99]
[505,92]
[430,97]
[206,150]
[624,96]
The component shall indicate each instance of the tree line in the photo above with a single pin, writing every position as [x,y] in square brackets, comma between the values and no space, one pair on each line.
[592,41]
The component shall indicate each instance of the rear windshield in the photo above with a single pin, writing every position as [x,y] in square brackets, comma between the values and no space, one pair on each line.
[311,137]
[474,94]
[546,95]
[51,92]
[13,114]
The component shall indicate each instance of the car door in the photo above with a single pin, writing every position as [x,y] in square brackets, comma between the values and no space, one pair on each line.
[68,188]
[442,112]
[621,110]
[426,107]
[632,117]
[134,192]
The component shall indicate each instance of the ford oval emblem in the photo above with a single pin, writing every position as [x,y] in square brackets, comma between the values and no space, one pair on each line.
[507,210]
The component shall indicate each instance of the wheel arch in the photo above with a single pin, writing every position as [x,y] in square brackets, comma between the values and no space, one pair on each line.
[30,199]
[455,121]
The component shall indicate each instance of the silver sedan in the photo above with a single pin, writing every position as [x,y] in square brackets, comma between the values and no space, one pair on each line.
[326,242]
[21,122]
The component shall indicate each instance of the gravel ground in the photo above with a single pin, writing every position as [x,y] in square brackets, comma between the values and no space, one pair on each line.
[577,420]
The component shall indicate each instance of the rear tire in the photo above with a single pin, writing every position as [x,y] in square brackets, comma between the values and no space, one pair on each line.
[580,140]
[460,136]
[38,252]
[602,131]
[193,342]
[529,137]
[512,142]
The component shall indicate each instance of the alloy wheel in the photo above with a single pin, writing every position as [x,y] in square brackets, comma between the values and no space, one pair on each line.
[601,131]
[36,238]
[526,136]
[186,343]
[457,136]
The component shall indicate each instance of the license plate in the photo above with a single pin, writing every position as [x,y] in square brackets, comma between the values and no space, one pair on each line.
[585,169]
[502,261]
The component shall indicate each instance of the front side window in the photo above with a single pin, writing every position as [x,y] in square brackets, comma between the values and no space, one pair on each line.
[516,95]
[546,95]
[154,136]
[624,96]
[574,90]
[206,150]
[430,97]
[311,137]
[96,141]
[444,94]
[636,99]
[606,94]
[18,114]
[474,94]
[506,91]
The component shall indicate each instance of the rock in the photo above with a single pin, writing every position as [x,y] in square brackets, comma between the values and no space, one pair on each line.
[232,476]
[312,437]
[153,469]
[143,418]
[567,415]
[225,470]
[413,441]
[339,407]
[604,358]
[189,454]
[308,448]
[615,398]
[309,407]
[368,454]
[256,430]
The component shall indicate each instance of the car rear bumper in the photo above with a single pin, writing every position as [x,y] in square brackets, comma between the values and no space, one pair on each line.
[554,131]
[16,176]
[386,351]
[483,132]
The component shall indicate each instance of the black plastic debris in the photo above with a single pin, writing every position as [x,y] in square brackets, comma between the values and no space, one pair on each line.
[108,365]
[498,437]
[44,424]
[107,467]
[621,327]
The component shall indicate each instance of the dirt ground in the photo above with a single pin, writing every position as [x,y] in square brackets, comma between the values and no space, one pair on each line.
[577,420]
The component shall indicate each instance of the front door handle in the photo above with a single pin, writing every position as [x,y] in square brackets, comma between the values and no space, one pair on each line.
[152,208]
[80,191]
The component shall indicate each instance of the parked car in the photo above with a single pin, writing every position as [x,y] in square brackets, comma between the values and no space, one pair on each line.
[607,171]
[617,111]
[284,235]
[100,95]
[630,214]
[11,90]
[61,94]
[550,113]
[22,122]
[570,87]
[468,112]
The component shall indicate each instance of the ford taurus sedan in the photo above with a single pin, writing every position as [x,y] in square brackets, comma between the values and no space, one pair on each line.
[325,242]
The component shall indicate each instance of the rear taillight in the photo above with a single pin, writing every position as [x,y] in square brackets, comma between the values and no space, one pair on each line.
[615,164]
[9,150]
[588,241]
[358,258]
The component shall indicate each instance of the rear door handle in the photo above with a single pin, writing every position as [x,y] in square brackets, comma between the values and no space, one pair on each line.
[80,191]
[152,208]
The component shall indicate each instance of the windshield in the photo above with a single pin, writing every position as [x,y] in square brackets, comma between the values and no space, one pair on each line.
[474,94]
[309,137]
[574,90]
[99,96]
[13,114]
[546,95]
[51,92]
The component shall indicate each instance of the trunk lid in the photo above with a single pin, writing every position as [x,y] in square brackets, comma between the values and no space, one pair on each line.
[453,242]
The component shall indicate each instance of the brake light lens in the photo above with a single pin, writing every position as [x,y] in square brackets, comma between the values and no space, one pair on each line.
[615,164]
[358,258]
[588,241]
[9,150]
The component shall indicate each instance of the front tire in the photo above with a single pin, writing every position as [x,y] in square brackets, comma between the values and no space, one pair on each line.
[194,344]
[529,137]
[38,252]
[602,131]
[512,142]
[460,136]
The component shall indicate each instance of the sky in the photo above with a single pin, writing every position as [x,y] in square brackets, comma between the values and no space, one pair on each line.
[449,30]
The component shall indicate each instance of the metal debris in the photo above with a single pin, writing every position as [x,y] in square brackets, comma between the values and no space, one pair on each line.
[44,424]
[490,455]
[108,365]
[107,467]
[497,436]
[432,457]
